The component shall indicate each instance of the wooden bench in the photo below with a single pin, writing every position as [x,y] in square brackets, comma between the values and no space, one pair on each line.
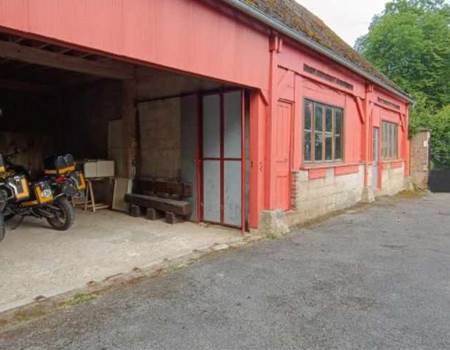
[174,210]
[163,188]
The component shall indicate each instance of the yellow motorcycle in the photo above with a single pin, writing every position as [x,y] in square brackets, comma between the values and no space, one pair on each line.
[47,197]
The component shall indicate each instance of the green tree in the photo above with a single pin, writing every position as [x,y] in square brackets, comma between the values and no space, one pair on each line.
[440,140]
[410,43]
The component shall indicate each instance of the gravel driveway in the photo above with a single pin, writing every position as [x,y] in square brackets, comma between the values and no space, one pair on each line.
[372,278]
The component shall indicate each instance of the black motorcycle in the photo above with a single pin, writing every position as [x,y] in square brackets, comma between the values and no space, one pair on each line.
[46,197]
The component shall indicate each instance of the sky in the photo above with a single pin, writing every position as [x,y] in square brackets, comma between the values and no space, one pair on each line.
[348,18]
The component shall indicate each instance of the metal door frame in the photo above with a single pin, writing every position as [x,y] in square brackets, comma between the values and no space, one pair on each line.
[221,159]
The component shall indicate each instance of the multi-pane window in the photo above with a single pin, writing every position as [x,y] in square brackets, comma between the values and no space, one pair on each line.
[389,141]
[322,132]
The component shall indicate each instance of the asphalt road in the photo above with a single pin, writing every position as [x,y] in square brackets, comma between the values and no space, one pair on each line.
[376,278]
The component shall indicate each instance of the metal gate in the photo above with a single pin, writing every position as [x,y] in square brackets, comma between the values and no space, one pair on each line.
[439,180]
[222,154]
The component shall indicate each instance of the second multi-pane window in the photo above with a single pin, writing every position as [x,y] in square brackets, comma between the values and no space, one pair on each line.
[322,132]
[389,144]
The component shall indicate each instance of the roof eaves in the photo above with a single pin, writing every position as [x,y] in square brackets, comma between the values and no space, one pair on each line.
[303,39]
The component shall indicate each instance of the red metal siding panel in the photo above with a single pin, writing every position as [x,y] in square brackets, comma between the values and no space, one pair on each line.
[179,34]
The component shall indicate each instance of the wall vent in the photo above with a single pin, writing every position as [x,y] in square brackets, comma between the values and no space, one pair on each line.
[327,77]
[388,103]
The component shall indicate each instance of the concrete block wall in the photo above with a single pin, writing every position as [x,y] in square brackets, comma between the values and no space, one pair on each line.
[160,138]
[313,198]
[392,180]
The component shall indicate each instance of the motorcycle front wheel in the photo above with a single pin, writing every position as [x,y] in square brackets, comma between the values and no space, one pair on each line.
[64,215]
[2,227]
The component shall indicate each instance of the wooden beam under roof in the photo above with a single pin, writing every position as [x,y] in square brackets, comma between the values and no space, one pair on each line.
[33,55]
[26,86]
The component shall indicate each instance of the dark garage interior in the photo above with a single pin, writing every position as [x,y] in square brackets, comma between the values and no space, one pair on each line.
[58,100]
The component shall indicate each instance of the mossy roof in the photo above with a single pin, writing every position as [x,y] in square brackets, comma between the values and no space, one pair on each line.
[298,18]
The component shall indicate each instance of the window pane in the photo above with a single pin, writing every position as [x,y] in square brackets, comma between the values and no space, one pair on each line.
[338,147]
[396,141]
[390,137]
[323,132]
[389,146]
[318,117]
[328,119]
[328,146]
[307,145]
[338,122]
[318,145]
[308,114]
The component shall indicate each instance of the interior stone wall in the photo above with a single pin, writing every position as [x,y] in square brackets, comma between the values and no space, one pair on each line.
[85,117]
[29,122]
[160,138]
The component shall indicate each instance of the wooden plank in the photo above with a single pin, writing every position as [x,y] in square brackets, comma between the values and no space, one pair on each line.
[135,210]
[153,214]
[129,129]
[172,218]
[33,55]
[167,205]
[171,188]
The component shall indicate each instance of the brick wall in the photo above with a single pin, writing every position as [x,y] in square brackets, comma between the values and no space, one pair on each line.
[420,149]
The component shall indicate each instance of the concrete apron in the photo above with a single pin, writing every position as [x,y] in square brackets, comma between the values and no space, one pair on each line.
[36,261]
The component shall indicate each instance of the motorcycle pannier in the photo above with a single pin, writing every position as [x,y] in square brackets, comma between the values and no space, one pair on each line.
[80,181]
[2,165]
[20,185]
[43,192]
[59,165]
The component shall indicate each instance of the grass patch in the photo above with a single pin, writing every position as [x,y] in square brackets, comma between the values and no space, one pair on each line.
[79,298]
[29,314]
[411,194]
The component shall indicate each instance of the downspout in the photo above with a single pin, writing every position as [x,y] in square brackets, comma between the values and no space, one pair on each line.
[274,48]
[368,193]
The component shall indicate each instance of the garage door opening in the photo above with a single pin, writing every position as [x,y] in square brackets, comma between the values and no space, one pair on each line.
[189,133]
[157,126]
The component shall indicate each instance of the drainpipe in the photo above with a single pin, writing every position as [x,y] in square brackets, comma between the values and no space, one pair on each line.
[368,195]
[274,48]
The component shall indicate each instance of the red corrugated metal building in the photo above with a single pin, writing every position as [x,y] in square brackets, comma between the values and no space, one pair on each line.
[270,116]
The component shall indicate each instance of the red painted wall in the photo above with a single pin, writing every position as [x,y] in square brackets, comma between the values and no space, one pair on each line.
[185,35]
[191,36]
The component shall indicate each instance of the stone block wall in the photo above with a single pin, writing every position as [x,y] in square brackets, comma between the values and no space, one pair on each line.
[321,191]
[392,179]
[160,138]
[331,190]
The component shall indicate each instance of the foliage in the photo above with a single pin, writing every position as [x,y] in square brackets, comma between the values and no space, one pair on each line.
[440,140]
[410,43]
